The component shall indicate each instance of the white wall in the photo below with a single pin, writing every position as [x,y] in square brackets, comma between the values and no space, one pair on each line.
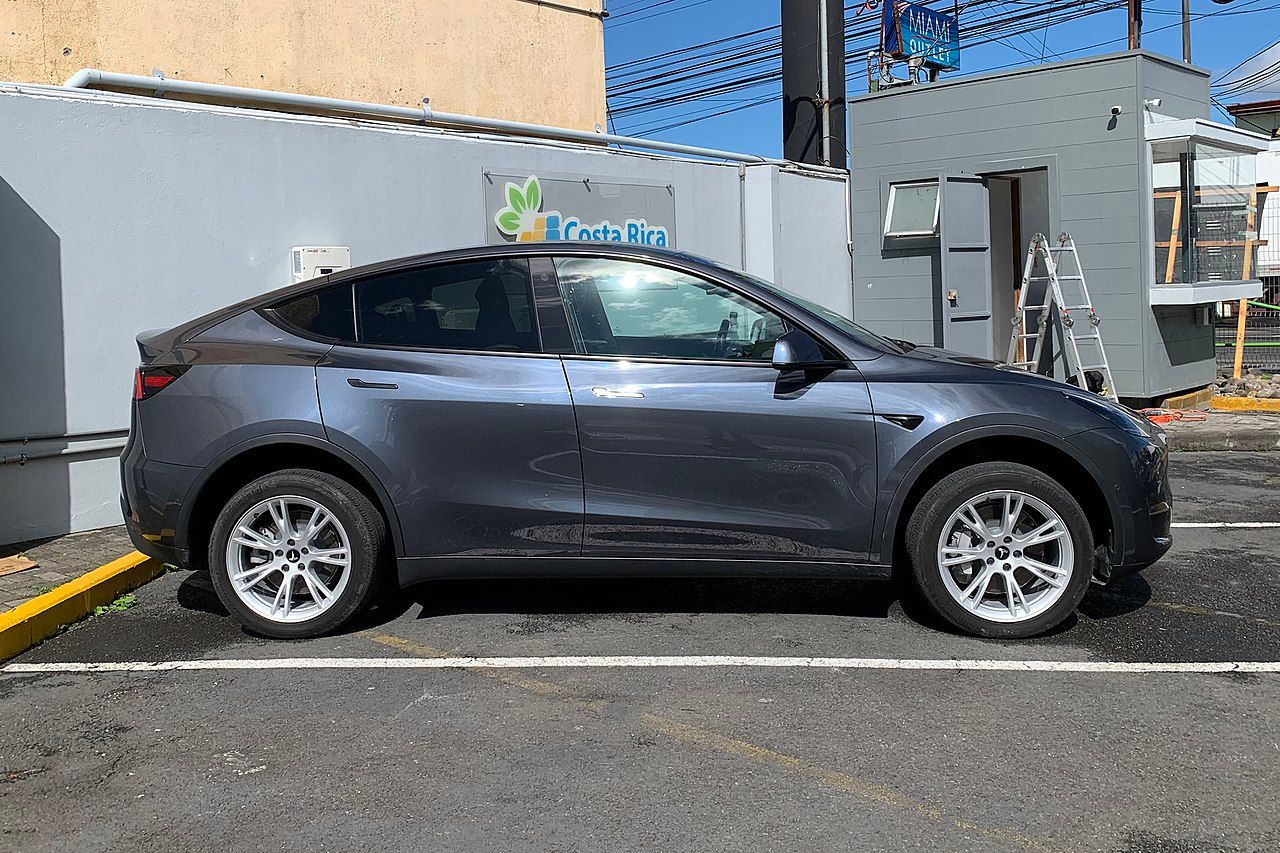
[122,213]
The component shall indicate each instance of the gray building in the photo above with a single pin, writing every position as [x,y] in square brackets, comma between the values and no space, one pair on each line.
[121,213]
[1116,150]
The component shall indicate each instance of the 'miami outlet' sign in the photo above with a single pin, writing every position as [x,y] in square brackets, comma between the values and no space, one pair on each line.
[580,210]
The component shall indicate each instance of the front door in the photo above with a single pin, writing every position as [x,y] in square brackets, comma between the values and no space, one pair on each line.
[965,231]
[445,395]
[692,445]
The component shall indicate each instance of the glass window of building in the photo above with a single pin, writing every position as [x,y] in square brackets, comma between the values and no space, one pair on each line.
[912,210]
[1206,212]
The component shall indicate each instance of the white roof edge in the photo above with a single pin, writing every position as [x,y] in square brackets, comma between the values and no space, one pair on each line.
[1205,292]
[1200,128]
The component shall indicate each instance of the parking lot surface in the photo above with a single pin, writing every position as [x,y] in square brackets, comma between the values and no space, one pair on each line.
[602,756]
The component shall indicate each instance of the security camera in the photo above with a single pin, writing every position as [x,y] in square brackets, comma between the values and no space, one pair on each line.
[1152,102]
[1116,110]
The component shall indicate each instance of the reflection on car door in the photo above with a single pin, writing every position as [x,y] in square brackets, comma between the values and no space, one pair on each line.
[692,444]
[476,445]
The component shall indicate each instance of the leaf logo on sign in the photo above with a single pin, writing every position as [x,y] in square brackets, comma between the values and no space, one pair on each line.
[522,218]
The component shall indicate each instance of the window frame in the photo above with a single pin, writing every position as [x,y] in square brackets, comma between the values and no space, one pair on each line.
[888,213]
[787,318]
[353,283]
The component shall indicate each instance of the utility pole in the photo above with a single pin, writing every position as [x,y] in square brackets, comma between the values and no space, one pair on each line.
[1186,31]
[813,82]
[824,80]
[1135,24]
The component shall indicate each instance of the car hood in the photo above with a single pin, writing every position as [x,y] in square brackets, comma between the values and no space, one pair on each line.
[1004,371]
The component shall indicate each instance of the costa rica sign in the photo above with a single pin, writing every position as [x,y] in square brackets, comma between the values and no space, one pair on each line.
[525,218]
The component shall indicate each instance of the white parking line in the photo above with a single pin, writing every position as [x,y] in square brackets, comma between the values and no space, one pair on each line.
[655,661]
[1225,524]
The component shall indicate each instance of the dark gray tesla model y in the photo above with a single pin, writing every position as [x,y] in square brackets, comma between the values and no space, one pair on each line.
[557,408]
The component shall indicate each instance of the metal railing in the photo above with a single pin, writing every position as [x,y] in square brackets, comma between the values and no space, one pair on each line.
[1261,334]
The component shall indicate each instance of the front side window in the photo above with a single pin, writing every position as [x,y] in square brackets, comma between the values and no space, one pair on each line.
[471,305]
[627,308]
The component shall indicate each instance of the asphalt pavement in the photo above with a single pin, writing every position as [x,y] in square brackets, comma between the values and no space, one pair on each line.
[679,757]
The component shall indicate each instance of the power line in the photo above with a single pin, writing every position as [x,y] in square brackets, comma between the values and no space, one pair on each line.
[1251,56]
[609,22]
[1194,17]
[715,64]
[718,67]
[692,47]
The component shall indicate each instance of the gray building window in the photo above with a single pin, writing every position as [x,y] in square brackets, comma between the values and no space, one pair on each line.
[912,210]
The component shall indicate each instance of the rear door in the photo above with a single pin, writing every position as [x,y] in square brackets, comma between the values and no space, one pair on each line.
[693,445]
[965,231]
[443,391]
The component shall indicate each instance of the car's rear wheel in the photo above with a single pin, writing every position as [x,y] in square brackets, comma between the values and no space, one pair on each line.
[296,553]
[1001,550]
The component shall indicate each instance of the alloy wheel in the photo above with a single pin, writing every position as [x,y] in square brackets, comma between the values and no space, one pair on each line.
[289,558]
[1006,556]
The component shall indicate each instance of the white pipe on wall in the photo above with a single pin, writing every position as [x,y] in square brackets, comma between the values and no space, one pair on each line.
[88,78]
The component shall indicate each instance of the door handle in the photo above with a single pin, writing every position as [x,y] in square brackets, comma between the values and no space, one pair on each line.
[360,383]
[617,393]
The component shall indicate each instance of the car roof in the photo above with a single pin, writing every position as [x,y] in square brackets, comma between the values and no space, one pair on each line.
[524,250]
[598,248]
[601,248]
[587,248]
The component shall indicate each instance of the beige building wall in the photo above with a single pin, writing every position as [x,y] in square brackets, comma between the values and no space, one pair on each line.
[529,60]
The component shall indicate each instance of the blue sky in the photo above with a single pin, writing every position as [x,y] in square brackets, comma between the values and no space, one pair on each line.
[1222,35]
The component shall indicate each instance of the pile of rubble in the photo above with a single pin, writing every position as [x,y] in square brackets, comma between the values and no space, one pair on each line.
[1255,382]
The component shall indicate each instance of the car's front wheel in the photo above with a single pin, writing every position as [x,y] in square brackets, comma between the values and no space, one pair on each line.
[1001,550]
[296,553]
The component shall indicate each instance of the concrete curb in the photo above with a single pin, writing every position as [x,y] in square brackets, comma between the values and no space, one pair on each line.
[1201,438]
[46,615]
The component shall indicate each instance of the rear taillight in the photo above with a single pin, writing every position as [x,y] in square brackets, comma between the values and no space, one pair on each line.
[149,381]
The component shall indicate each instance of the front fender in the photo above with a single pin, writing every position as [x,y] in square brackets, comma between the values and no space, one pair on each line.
[901,476]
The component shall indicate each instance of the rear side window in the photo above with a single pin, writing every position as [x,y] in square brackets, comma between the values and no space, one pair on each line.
[326,313]
[472,305]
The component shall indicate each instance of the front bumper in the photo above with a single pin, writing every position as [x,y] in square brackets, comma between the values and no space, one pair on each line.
[1133,471]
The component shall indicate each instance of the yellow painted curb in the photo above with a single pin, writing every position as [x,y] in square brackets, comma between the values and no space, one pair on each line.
[1246,404]
[46,615]
[1190,400]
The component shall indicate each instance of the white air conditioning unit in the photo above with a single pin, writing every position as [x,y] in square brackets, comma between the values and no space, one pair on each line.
[311,261]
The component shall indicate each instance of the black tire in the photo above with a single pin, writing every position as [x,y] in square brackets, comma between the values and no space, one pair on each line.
[925,529]
[366,534]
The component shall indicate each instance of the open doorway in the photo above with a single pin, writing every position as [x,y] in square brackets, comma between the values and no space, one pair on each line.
[1018,208]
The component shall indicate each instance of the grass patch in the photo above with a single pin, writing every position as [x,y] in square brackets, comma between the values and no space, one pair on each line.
[122,603]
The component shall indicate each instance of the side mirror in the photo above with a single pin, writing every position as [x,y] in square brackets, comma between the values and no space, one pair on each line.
[796,350]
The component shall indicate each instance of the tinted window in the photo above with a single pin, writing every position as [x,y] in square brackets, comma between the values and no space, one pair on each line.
[475,305]
[628,308]
[326,313]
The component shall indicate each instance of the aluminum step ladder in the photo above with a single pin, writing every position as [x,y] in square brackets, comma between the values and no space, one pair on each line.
[1062,267]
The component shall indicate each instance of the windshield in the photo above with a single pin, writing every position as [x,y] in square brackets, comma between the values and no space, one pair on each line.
[844,324]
